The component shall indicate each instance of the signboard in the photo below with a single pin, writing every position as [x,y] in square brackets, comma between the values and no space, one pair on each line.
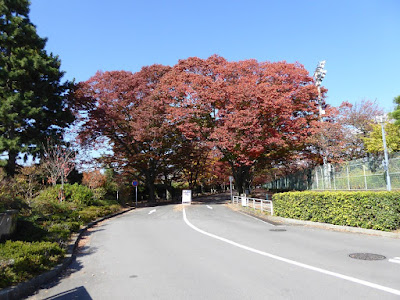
[135,183]
[244,199]
[186,196]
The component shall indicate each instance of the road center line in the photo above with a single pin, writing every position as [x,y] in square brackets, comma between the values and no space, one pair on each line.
[208,206]
[395,260]
[292,262]
[152,211]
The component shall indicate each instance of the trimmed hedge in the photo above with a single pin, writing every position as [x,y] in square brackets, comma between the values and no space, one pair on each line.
[372,210]
[22,260]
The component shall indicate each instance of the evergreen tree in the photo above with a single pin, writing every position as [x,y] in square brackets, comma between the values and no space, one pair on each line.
[396,113]
[33,105]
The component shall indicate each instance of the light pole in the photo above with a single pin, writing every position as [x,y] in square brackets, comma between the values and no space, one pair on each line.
[319,74]
[381,120]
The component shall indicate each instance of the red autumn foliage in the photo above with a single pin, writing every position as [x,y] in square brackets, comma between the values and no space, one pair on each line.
[250,111]
[93,179]
[165,121]
[122,108]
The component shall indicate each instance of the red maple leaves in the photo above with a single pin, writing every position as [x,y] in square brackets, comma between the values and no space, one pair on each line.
[250,112]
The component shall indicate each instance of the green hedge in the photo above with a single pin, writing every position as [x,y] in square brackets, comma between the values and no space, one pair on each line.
[372,210]
[22,260]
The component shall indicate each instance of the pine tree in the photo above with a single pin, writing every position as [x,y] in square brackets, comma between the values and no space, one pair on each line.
[396,113]
[33,105]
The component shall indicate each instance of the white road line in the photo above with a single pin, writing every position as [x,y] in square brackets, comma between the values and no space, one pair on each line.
[395,260]
[292,262]
[208,206]
[152,211]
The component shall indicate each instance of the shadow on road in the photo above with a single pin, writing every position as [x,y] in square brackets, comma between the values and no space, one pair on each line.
[76,293]
[215,199]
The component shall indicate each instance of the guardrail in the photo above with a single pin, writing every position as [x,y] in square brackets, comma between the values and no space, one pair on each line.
[255,203]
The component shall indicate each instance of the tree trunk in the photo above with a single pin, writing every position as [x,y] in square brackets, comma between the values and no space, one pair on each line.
[150,179]
[11,163]
[242,178]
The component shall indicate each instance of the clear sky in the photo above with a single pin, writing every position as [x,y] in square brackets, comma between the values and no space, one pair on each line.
[360,40]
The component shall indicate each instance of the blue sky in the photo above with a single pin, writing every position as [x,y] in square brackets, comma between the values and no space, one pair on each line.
[360,40]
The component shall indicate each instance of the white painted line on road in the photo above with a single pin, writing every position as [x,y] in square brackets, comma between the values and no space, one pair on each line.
[395,260]
[208,206]
[292,262]
[152,211]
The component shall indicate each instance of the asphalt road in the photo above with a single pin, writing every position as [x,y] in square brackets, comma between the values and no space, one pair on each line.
[208,251]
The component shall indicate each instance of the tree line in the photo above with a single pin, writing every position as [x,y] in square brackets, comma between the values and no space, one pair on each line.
[200,120]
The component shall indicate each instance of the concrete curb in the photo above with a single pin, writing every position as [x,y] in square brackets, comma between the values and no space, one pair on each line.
[285,221]
[26,288]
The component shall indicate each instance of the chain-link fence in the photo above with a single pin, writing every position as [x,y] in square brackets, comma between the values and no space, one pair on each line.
[361,174]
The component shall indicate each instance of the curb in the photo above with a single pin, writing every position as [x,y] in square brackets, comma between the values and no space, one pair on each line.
[294,222]
[26,288]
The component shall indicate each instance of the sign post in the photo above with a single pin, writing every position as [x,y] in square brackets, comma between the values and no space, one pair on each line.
[230,185]
[135,183]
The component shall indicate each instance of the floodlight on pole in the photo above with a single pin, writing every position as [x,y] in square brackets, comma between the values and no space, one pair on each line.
[319,75]
[381,120]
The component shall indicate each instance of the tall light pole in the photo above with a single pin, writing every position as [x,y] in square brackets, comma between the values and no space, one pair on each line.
[319,74]
[381,120]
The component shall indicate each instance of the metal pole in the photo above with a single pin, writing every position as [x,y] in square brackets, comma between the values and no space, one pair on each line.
[348,177]
[136,197]
[319,74]
[230,186]
[386,166]
[334,177]
[365,178]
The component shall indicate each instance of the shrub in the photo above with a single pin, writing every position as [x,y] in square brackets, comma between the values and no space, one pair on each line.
[20,261]
[92,213]
[373,210]
[75,194]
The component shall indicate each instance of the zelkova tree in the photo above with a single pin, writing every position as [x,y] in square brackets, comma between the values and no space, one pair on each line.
[32,102]
[251,112]
[121,107]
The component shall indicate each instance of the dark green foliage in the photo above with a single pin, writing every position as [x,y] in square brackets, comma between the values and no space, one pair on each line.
[396,113]
[373,210]
[32,102]
[47,227]
[22,260]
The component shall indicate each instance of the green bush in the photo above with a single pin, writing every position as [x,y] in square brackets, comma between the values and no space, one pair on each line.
[20,261]
[92,213]
[75,195]
[373,210]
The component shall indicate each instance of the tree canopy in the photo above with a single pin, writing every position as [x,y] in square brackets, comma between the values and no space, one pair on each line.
[396,114]
[248,114]
[32,102]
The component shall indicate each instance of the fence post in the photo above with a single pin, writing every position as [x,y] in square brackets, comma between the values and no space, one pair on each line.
[334,177]
[348,177]
[365,178]
[323,178]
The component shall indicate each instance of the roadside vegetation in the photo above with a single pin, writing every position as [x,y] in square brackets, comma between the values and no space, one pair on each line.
[371,210]
[45,225]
